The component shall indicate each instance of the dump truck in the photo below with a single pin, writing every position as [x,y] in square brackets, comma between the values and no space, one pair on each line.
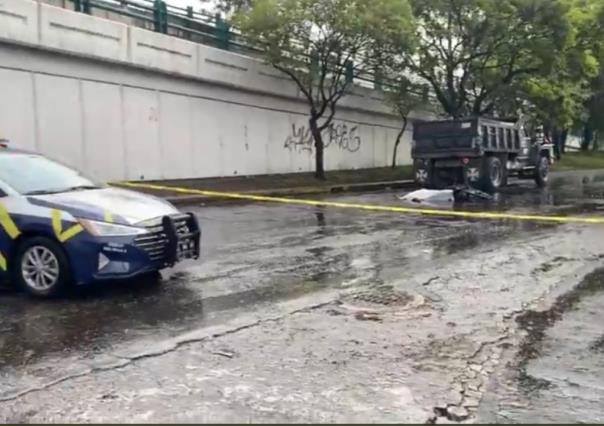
[479,152]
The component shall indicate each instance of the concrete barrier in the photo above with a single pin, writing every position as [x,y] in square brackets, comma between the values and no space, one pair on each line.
[82,34]
[125,103]
[19,21]
[162,52]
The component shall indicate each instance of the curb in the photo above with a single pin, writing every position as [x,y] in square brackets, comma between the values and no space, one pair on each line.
[578,176]
[298,191]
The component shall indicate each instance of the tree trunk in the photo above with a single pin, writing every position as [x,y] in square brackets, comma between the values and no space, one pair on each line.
[588,135]
[399,137]
[563,139]
[556,140]
[319,148]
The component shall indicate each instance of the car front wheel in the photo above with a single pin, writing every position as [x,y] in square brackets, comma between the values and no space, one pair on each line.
[41,267]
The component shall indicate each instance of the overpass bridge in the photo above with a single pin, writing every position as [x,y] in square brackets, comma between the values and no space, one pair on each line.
[121,98]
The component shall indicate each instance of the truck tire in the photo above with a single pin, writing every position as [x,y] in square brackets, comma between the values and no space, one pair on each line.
[41,267]
[493,175]
[542,171]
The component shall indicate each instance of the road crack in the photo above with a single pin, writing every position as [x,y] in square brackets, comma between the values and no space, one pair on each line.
[471,383]
[129,360]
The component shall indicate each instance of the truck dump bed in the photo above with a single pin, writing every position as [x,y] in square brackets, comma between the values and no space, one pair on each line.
[469,137]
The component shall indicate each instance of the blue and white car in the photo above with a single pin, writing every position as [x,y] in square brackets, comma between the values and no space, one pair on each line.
[59,228]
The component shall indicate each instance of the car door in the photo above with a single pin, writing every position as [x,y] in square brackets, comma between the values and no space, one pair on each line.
[8,230]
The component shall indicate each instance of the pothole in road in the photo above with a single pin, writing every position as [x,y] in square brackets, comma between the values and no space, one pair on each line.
[598,345]
[554,263]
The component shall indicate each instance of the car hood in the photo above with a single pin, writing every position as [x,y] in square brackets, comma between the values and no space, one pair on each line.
[114,204]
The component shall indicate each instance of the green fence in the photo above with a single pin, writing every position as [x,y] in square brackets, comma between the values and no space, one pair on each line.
[197,26]
[158,16]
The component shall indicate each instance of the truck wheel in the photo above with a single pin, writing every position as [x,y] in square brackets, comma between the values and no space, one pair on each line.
[493,174]
[506,174]
[41,267]
[542,171]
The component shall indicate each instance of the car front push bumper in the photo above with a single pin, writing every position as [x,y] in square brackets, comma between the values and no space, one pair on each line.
[182,242]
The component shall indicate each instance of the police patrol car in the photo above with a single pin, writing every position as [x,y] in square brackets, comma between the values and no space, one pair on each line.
[59,228]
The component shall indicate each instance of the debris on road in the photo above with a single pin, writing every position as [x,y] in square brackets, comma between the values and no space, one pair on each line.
[368,316]
[225,353]
[457,414]
[429,196]
[466,193]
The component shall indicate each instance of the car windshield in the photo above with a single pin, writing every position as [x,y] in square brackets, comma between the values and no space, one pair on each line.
[31,174]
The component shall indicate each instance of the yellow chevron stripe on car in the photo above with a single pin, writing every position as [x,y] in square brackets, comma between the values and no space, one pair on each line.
[7,223]
[57,226]
[3,264]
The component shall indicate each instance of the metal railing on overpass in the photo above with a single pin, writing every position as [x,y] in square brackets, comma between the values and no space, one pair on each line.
[193,25]
[158,16]
[213,30]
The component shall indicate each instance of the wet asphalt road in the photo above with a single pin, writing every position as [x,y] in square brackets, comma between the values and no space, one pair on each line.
[508,296]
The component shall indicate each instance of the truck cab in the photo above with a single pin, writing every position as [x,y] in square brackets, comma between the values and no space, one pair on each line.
[479,152]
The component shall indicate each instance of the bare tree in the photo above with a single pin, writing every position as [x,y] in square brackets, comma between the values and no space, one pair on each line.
[406,97]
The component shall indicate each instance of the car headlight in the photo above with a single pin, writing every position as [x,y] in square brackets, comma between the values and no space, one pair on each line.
[105,229]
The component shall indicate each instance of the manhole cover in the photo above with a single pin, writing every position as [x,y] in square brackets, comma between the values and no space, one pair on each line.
[384,295]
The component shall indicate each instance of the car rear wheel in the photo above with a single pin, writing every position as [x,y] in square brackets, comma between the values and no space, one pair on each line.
[41,267]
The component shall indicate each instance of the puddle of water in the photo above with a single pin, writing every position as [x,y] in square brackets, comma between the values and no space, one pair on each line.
[328,241]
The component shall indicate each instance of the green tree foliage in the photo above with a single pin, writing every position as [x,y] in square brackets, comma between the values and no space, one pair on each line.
[471,51]
[561,97]
[593,125]
[593,116]
[322,45]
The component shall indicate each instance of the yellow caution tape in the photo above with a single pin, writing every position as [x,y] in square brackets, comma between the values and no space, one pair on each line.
[3,264]
[7,223]
[372,207]
[57,226]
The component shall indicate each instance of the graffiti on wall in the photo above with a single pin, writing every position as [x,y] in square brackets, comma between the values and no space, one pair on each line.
[345,138]
[299,140]
[340,135]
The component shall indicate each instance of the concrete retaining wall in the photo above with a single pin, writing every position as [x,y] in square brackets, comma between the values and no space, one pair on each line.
[126,103]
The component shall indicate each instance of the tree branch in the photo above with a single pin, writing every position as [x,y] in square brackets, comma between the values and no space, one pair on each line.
[294,77]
